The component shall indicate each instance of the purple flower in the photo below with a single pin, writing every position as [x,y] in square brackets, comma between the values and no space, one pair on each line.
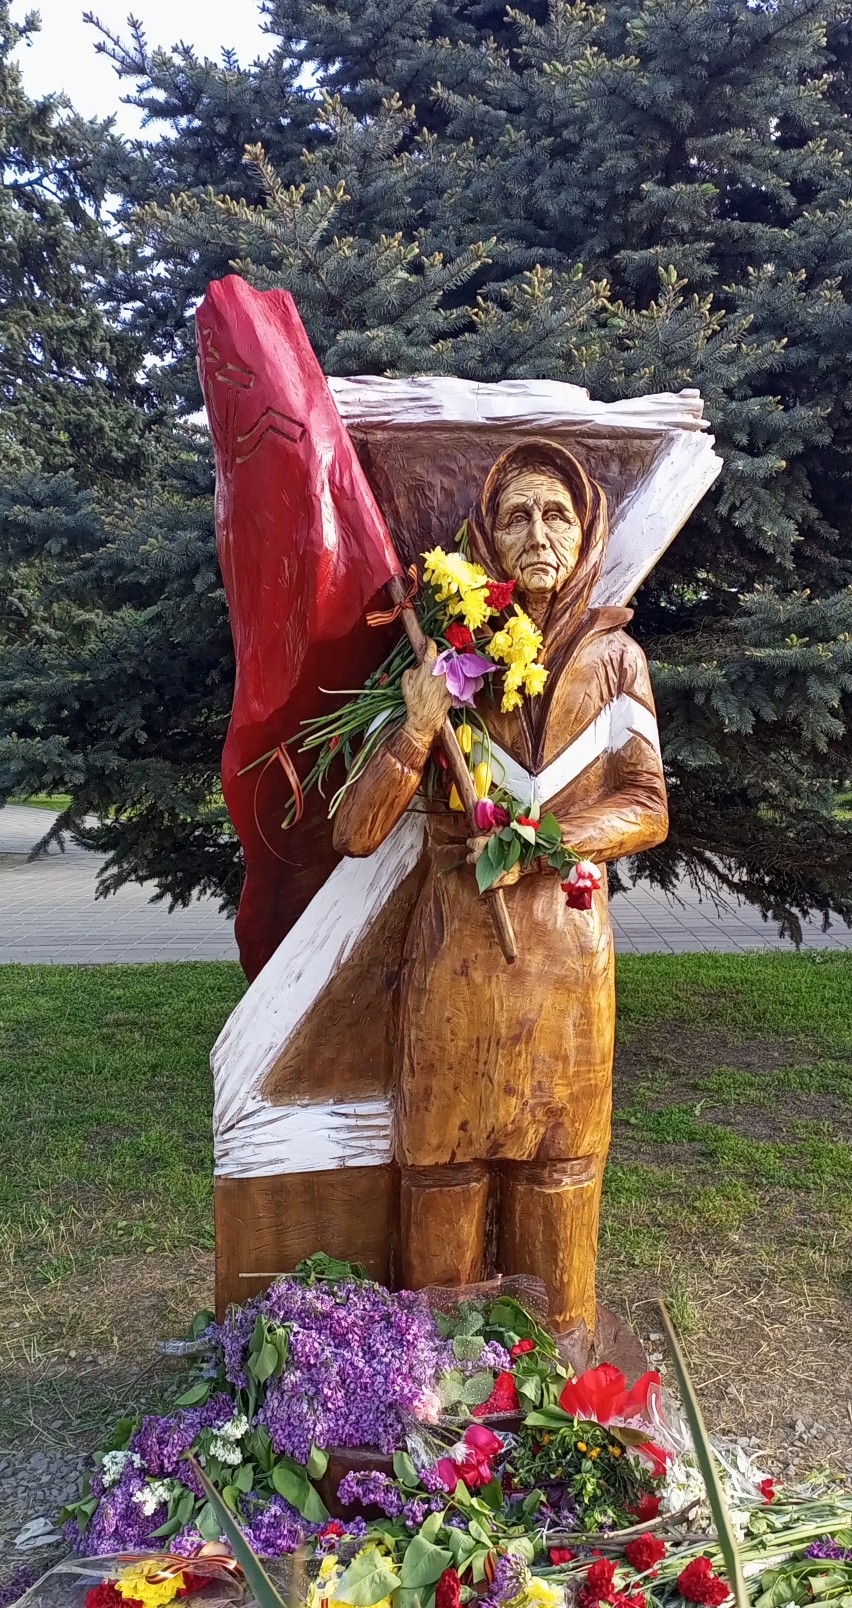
[372,1489]
[22,1579]
[277,1529]
[464,673]
[827,1547]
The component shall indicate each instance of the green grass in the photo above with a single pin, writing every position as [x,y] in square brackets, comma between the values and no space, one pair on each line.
[729,1181]
[44,801]
[105,1104]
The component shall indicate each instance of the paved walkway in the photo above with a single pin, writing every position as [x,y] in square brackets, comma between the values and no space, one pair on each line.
[48,913]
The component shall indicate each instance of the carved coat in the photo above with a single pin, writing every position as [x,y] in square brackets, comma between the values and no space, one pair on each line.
[514,1063]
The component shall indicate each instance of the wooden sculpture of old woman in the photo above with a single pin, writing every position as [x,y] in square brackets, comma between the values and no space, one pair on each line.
[504,1074]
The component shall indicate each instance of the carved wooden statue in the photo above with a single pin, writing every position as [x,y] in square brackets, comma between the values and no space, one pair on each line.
[389,1087]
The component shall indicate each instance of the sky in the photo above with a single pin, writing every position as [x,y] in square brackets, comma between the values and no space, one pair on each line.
[63,56]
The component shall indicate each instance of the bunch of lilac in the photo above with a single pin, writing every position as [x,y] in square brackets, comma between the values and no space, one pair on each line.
[120,1522]
[277,1529]
[362,1364]
[511,1577]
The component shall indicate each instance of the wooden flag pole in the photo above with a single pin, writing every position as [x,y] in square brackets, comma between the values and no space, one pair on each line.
[459,772]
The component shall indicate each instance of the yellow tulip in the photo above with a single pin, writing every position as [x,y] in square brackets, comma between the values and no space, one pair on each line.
[482,779]
[455,801]
[465,737]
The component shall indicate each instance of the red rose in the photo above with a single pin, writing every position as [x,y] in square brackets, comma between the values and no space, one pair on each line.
[448,1590]
[503,1398]
[459,637]
[648,1507]
[767,1490]
[498,594]
[562,1555]
[644,1552]
[697,1583]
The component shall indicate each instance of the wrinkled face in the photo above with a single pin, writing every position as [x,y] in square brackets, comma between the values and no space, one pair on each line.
[537,533]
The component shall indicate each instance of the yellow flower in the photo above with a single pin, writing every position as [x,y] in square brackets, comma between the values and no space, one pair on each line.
[537,1594]
[464,734]
[153,1593]
[582,1447]
[510,701]
[473,606]
[535,676]
[595,1452]
[518,643]
[322,1589]
[482,779]
[452,573]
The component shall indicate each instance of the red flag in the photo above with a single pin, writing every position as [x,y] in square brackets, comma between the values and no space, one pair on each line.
[303,549]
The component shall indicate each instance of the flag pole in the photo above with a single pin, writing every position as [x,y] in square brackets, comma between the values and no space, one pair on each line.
[458,770]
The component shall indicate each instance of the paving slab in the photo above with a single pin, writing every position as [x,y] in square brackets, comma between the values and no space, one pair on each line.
[49,914]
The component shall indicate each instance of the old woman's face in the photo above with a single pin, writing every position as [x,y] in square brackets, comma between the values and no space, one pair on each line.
[537,534]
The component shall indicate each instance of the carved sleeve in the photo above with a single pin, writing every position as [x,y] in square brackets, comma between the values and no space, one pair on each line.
[374,804]
[633,815]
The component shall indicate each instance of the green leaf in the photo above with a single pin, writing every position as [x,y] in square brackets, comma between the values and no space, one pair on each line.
[486,873]
[526,832]
[477,1389]
[707,1463]
[404,1469]
[208,1523]
[548,1418]
[185,1508]
[231,1497]
[450,1387]
[368,1580]
[317,1463]
[244,1477]
[492,1495]
[200,1323]
[291,1481]
[479,1532]
[461,1546]
[196,1395]
[171,1527]
[264,1364]
[430,1527]
[424,1563]
[467,1347]
[549,830]
[258,1580]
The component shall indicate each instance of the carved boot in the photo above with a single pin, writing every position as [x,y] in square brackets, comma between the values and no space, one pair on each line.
[549,1214]
[444,1212]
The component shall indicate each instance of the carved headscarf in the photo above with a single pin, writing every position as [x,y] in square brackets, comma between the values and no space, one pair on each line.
[570,603]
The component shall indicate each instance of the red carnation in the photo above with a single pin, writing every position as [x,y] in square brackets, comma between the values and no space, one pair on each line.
[767,1490]
[448,1590]
[334,1527]
[107,1595]
[459,637]
[498,594]
[625,1599]
[647,1508]
[503,1398]
[561,1555]
[697,1583]
[521,1348]
[192,1582]
[597,1586]
[644,1552]
[527,820]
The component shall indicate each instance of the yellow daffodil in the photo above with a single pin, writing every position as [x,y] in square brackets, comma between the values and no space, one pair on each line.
[535,676]
[538,1594]
[510,700]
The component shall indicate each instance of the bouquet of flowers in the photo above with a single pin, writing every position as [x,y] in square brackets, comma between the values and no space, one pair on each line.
[481,634]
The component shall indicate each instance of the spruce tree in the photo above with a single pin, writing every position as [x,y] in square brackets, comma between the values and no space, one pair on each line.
[635,196]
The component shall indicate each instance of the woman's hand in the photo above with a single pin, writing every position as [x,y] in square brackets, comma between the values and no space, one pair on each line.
[477,846]
[427,699]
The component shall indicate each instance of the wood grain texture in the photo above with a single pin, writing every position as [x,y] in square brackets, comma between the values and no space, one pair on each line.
[264,1226]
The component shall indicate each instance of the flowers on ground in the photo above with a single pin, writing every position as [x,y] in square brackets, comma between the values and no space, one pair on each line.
[697,1583]
[470,1460]
[503,1398]
[644,1552]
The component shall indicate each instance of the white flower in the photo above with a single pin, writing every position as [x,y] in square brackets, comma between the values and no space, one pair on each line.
[114,1464]
[459,1453]
[226,1451]
[235,1429]
[154,1494]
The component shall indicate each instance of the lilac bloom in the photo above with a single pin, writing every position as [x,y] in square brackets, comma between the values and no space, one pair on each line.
[464,673]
